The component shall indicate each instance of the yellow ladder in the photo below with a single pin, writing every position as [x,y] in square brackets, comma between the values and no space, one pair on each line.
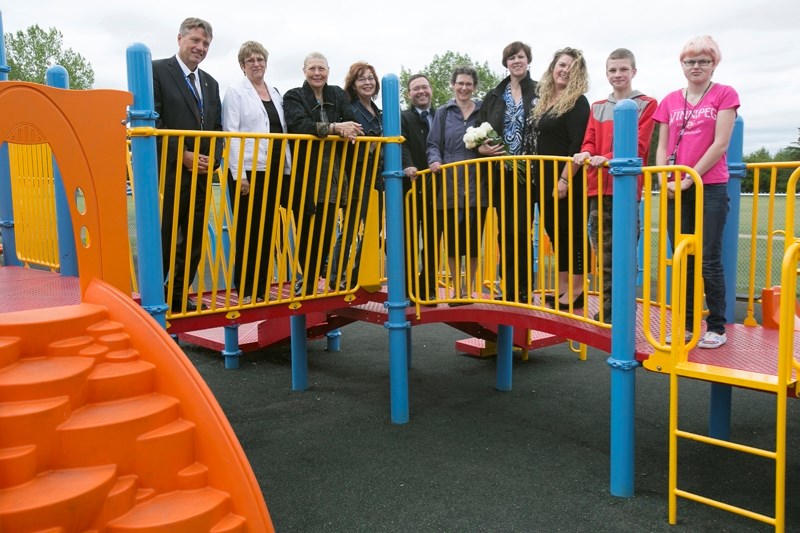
[779,385]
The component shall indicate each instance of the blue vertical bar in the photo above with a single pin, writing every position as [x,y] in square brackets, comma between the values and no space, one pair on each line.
[505,356]
[640,247]
[58,77]
[297,327]
[231,351]
[145,183]
[719,421]
[334,340]
[730,235]
[625,167]
[395,262]
[6,204]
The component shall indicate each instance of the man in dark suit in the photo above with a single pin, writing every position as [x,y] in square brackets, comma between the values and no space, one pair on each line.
[186,98]
[415,124]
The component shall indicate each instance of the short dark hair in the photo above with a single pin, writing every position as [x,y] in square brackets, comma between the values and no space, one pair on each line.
[415,77]
[194,22]
[515,47]
[469,70]
[622,53]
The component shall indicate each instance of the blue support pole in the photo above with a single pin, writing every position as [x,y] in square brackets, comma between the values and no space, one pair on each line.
[730,235]
[297,326]
[505,347]
[231,351]
[396,302]
[719,421]
[6,204]
[334,340]
[640,247]
[145,181]
[625,167]
[58,77]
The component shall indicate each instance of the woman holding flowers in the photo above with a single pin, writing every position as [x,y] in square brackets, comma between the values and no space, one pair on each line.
[556,126]
[505,108]
[459,197]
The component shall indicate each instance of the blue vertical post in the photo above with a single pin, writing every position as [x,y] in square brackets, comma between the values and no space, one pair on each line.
[396,302]
[625,167]
[505,356]
[640,246]
[6,204]
[231,352]
[57,76]
[334,340]
[145,181]
[299,346]
[730,235]
[719,421]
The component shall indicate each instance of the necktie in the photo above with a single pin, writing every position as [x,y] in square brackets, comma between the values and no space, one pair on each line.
[193,88]
[426,117]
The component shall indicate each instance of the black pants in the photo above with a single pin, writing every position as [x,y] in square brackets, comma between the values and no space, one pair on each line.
[568,260]
[264,194]
[314,242]
[184,216]
[515,212]
[431,235]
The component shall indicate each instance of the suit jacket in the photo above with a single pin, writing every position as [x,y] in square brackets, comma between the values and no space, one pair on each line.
[415,129]
[177,108]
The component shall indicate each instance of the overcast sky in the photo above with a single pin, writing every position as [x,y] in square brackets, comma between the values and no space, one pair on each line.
[760,41]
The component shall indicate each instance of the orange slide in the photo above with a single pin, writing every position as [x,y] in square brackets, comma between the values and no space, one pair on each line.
[105,425]
[771,309]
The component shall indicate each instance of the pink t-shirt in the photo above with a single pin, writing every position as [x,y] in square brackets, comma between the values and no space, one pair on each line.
[701,121]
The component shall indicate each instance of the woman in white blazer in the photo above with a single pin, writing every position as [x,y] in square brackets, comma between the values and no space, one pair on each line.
[258,172]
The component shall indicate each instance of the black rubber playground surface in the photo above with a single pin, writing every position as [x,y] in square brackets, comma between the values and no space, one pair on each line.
[472,458]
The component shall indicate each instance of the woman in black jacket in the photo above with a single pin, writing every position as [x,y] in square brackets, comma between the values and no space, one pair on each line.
[505,107]
[318,109]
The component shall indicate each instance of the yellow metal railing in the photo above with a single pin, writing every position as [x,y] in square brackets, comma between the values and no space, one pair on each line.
[33,197]
[468,251]
[766,231]
[281,263]
[687,246]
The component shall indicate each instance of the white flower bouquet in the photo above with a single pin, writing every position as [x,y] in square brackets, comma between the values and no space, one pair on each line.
[477,135]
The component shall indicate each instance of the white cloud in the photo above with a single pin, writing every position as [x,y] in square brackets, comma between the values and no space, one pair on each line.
[759,41]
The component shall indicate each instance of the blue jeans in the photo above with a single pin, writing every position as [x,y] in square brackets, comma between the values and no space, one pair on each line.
[715,213]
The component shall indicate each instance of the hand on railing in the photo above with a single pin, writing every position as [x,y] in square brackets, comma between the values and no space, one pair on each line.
[349,130]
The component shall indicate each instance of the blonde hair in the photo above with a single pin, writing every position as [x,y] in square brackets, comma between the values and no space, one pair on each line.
[315,55]
[578,84]
[703,44]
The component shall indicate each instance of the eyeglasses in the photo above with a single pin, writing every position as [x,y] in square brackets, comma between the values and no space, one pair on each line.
[365,80]
[254,60]
[702,63]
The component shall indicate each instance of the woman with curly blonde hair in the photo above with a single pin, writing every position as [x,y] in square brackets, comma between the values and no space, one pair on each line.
[555,127]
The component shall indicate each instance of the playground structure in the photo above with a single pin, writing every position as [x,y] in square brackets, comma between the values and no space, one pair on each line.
[628,342]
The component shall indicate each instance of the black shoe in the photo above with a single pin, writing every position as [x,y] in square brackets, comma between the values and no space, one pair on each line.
[310,288]
[578,303]
[191,306]
[550,299]
[606,317]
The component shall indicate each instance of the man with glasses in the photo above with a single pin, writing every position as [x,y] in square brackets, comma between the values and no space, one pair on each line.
[186,98]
